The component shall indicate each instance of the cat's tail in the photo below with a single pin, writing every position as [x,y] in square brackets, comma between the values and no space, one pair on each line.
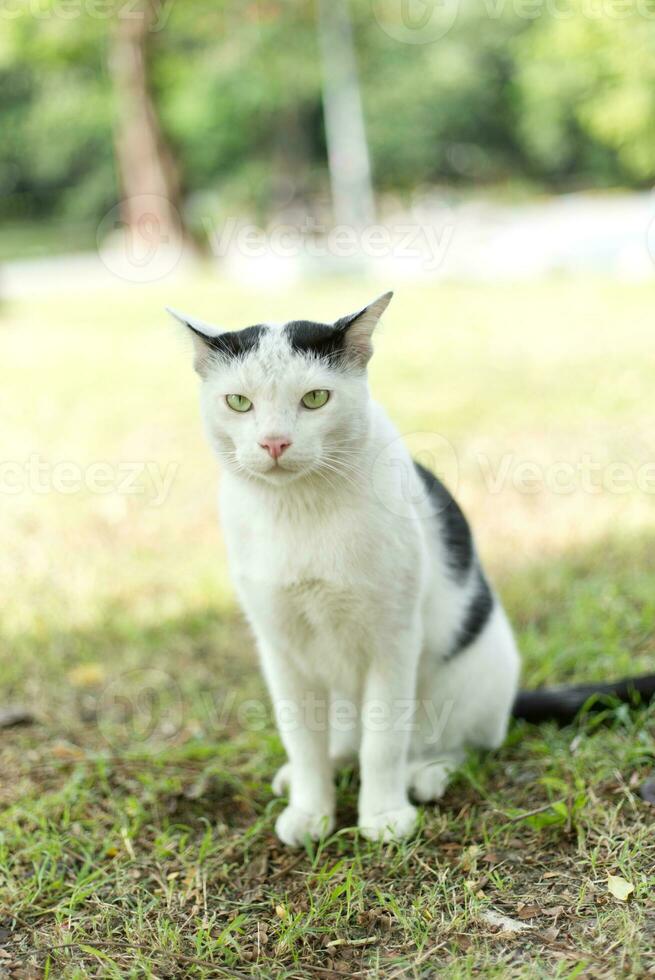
[562,704]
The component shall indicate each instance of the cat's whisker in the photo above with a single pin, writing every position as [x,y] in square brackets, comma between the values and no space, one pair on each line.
[325,477]
[346,463]
[345,476]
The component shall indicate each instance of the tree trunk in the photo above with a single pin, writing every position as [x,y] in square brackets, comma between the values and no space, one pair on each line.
[348,160]
[150,185]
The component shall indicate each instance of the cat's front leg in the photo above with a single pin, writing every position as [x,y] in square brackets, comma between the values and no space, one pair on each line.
[344,740]
[301,716]
[388,708]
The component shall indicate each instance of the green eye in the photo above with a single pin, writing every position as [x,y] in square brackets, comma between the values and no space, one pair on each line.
[316,398]
[239,403]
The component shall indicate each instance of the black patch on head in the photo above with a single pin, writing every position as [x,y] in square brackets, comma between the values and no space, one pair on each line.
[455,530]
[319,339]
[475,617]
[234,343]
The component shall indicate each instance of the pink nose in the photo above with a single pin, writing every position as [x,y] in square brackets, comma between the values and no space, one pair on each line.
[275,447]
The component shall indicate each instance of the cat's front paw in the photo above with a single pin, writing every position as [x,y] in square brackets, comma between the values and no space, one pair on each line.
[293,826]
[282,780]
[390,824]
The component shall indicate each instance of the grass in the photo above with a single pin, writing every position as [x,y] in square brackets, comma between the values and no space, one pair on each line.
[44,239]
[136,813]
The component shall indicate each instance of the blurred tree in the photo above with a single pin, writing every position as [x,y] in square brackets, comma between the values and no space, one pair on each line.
[348,159]
[239,89]
[443,111]
[234,90]
[150,184]
[56,152]
[587,92]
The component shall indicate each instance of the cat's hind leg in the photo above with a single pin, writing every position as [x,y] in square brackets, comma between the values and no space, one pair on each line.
[428,778]
[464,702]
[282,780]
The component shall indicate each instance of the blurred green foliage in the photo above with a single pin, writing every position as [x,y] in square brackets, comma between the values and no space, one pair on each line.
[559,95]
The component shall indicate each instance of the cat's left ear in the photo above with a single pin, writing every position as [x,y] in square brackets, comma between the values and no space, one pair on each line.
[358,329]
[204,337]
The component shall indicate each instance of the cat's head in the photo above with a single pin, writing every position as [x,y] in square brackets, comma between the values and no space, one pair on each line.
[281,402]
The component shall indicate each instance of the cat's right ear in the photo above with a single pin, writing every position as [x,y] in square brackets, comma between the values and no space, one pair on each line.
[203,336]
[357,329]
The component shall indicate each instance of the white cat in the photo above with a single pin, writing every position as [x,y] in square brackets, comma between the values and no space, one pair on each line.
[378,633]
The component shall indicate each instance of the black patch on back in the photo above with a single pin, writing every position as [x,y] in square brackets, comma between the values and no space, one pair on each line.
[235,343]
[319,339]
[476,616]
[455,529]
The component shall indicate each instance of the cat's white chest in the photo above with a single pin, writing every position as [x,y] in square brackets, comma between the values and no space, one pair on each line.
[293,552]
[331,629]
[306,583]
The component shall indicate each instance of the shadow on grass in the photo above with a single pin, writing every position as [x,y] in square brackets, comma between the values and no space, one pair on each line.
[583,616]
[586,615]
[178,826]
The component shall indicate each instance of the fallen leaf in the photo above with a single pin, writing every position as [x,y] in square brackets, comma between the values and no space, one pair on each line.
[556,911]
[65,751]
[619,887]
[503,922]
[529,911]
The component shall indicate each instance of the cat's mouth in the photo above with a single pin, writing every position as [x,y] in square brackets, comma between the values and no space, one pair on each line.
[285,471]
[277,471]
